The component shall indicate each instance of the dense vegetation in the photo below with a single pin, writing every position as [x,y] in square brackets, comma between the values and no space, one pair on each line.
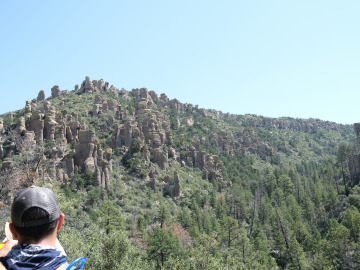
[297,208]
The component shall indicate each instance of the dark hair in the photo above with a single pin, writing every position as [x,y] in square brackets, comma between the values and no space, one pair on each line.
[36,233]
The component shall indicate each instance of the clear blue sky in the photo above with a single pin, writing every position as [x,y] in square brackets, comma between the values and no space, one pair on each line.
[272,58]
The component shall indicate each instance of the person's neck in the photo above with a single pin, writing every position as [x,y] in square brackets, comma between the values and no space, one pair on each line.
[46,241]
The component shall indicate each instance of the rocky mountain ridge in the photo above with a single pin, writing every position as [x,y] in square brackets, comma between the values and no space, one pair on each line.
[83,129]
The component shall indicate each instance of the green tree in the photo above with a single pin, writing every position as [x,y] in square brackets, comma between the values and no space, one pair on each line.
[111,217]
[351,221]
[230,227]
[342,155]
[135,146]
[162,244]
[286,185]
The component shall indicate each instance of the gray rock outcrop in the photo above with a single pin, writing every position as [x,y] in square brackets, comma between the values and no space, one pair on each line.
[41,96]
[55,91]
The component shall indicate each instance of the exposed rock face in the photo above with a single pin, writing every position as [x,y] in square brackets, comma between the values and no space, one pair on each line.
[50,125]
[164,100]
[175,104]
[55,91]
[124,94]
[224,141]
[51,170]
[97,109]
[119,113]
[144,94]
[87,86]
[21,126]
[28,143]
[160,158]
[172,186]
[153,96]
[98,99]
[106,179]
[253,143]
[41,96]
[189,122]
[69,164]
[28,108]
[1,127]
[209,164]
[97,180]
[84,156]
[113,90]
[37,125]
[112,105]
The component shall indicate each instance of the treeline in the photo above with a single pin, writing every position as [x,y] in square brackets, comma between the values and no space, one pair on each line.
[305,217]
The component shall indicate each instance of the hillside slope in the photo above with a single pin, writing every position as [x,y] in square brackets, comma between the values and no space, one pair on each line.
[161,169]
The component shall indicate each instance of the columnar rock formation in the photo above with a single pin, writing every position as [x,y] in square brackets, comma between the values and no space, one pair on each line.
[55,91]
[41,96]
[85,151]
[50,125]
[28,109]
[37,125]
[172,186]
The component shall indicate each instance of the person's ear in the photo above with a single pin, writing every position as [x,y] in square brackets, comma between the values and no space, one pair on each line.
[13,231]
[61,221]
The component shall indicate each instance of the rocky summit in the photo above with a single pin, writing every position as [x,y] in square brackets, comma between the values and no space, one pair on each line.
[194,172]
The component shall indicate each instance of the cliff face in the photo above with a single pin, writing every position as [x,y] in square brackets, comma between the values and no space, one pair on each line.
[86,129]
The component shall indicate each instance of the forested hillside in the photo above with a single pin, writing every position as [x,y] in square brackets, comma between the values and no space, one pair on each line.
[146,182]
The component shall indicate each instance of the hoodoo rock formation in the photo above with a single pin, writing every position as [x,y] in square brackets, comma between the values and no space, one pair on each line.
[95,127]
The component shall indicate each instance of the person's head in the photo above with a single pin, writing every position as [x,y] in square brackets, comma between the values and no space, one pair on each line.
[35,215]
